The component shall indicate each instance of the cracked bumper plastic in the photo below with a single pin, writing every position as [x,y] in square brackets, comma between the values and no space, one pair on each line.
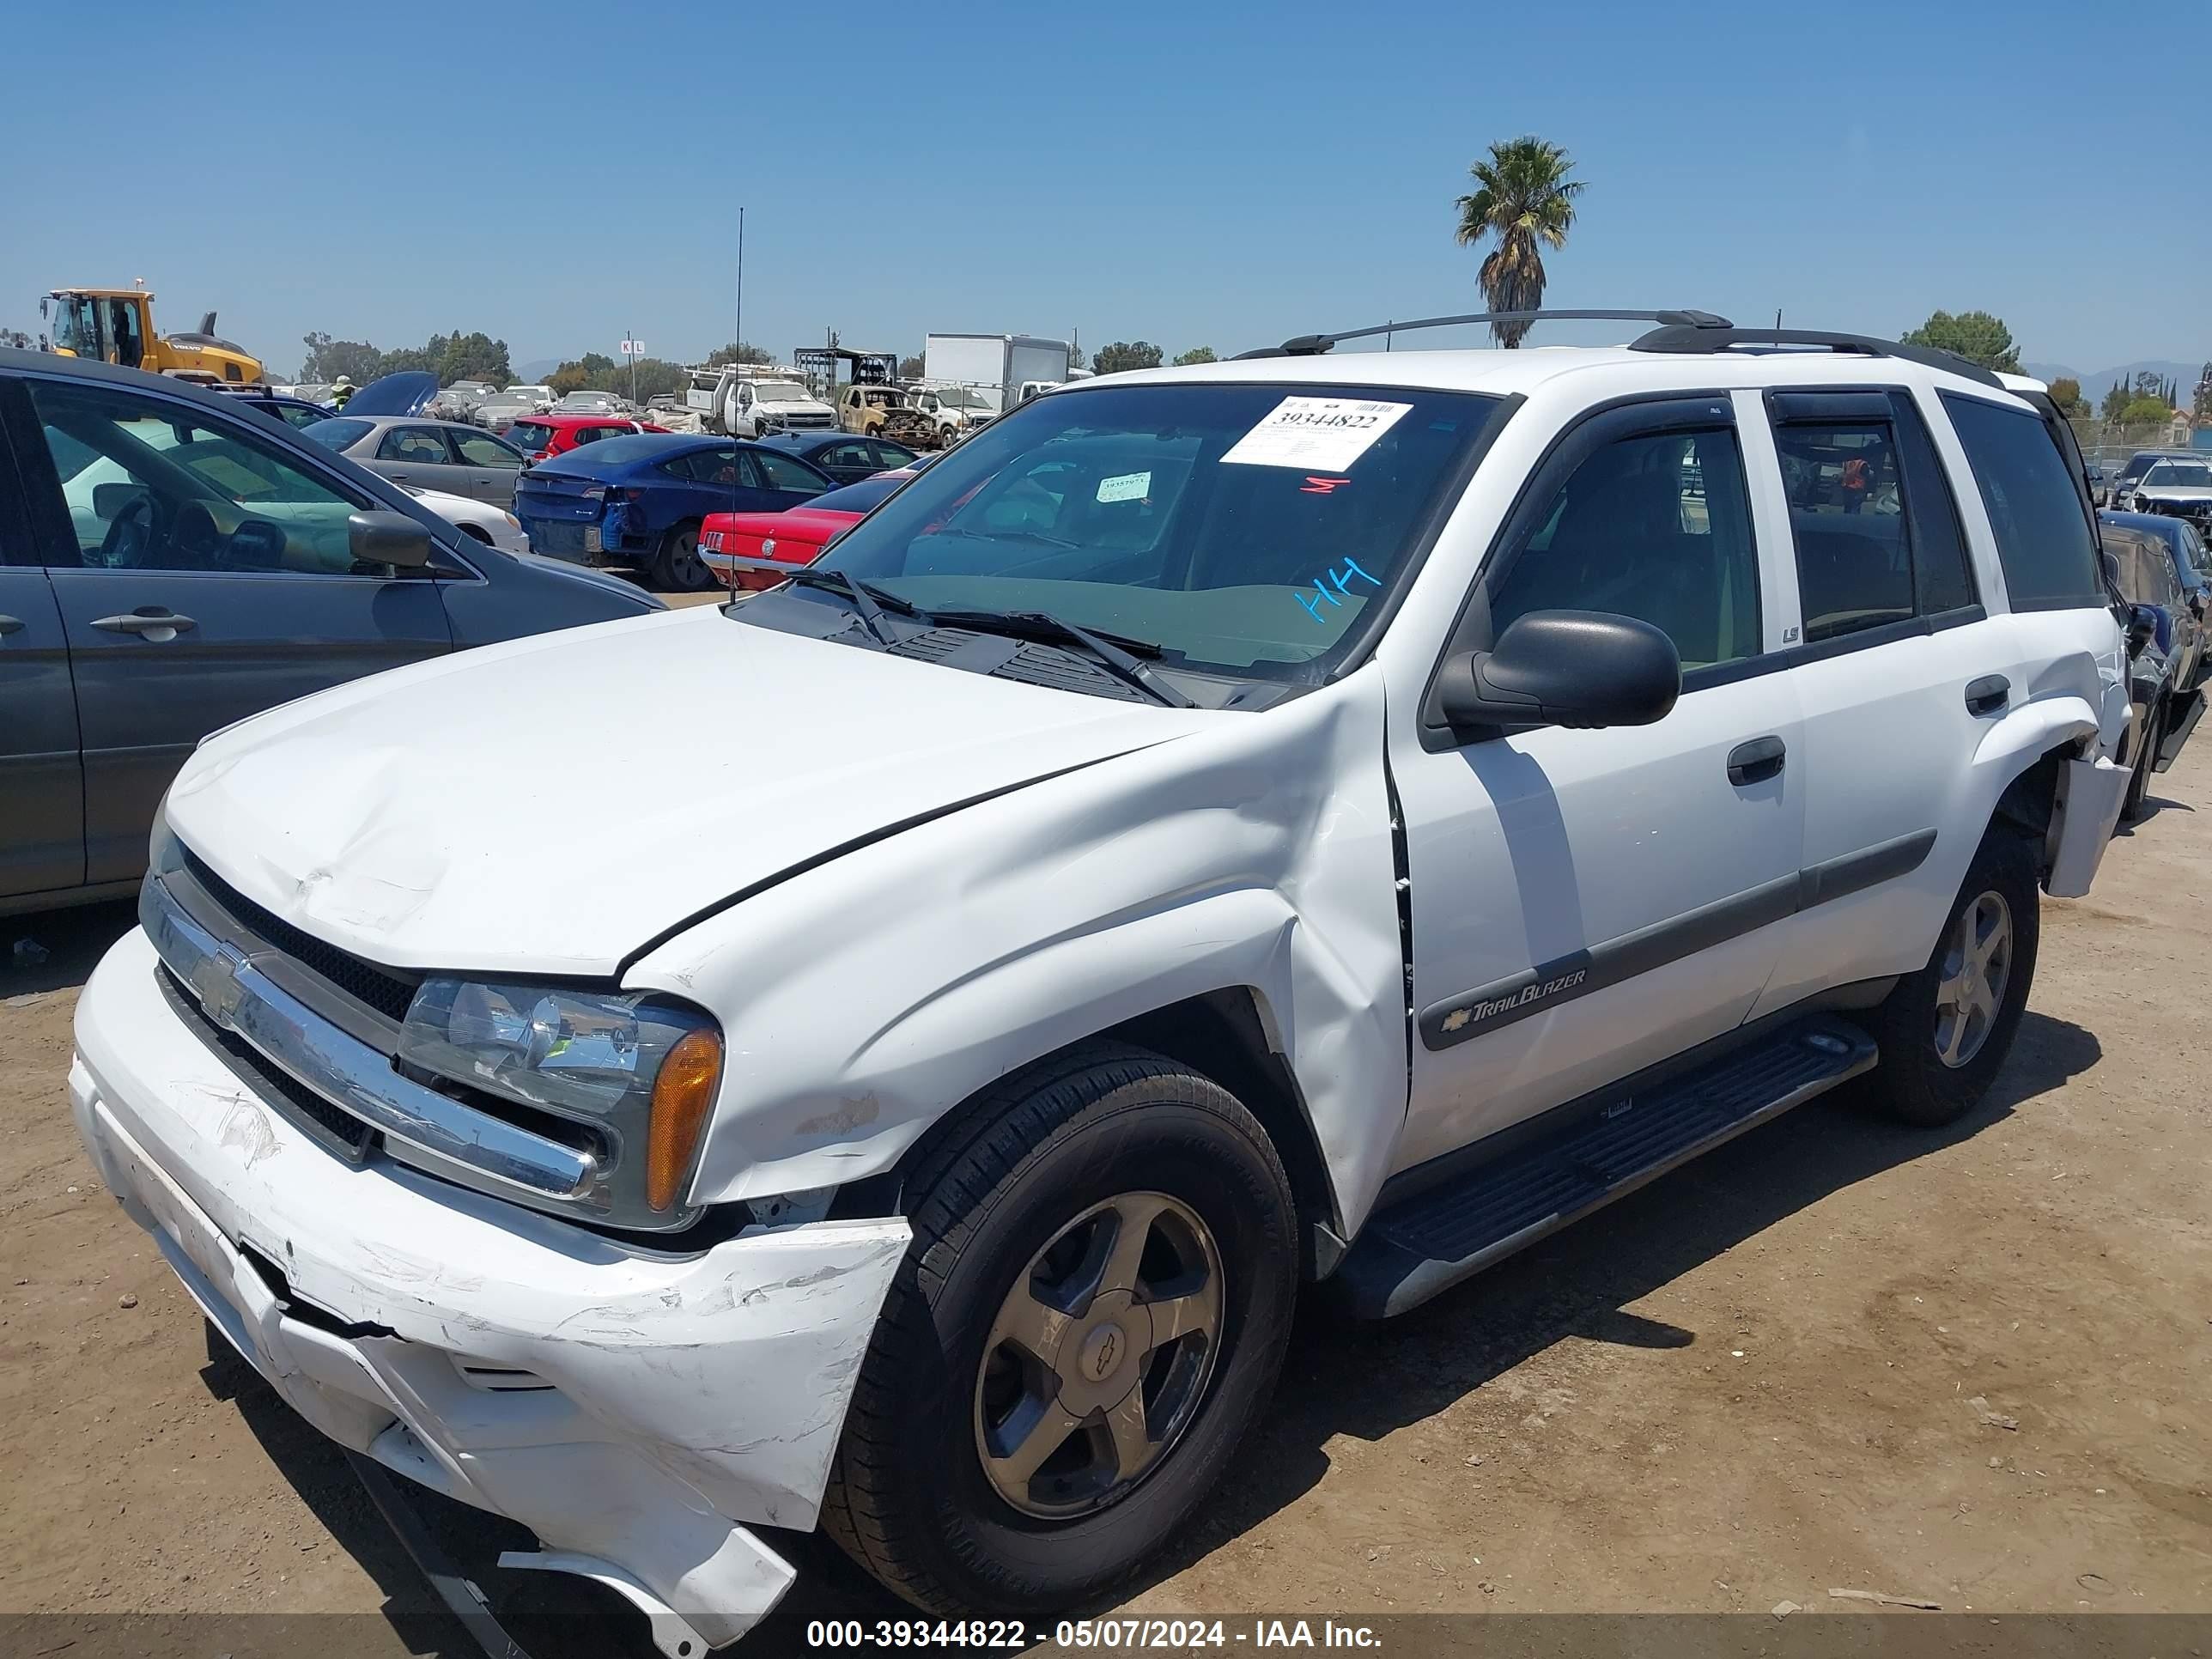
[632,1408]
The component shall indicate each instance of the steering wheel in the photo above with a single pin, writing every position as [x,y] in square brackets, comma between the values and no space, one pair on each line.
[132,535]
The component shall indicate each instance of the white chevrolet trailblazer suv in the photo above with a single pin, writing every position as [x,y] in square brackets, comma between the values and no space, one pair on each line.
[1306,817]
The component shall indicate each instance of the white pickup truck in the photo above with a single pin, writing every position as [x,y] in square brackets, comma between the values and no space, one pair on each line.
[1310,818]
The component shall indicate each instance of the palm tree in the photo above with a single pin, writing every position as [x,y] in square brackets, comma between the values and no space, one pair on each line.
[1526,197]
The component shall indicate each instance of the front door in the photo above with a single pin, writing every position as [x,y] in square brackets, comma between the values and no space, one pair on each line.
[42,820]
[202,573]
[1585,903]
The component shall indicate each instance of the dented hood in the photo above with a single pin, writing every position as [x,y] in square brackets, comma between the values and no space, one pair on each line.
[550,804]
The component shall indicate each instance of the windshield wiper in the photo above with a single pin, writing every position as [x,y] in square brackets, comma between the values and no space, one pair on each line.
[868,600]
[1113,650]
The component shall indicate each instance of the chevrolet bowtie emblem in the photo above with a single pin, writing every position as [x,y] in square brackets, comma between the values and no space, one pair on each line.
[216,979]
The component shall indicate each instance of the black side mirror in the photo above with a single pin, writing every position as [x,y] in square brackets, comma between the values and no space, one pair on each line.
[2142,628]
[1576,668]
[384,537]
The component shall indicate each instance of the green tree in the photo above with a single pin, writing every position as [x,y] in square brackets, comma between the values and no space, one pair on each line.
[1974,335]
[2116,399]
[1196,355]
[1075,356]
[1526,202]
[1125,355]
[2066,392]
[2146,411]
[327,359]
[474,358]
[739,351]
[909,369]
[2204,403]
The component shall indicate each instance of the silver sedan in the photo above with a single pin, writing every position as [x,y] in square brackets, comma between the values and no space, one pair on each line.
[409,449]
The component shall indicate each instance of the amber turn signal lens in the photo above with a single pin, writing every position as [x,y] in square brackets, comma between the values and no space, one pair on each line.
[681,1094]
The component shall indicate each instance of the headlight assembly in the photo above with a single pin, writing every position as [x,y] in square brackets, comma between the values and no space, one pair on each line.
[638,1071]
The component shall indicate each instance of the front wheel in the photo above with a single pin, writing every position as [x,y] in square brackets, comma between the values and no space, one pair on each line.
[1091,1318]
[1945,1031]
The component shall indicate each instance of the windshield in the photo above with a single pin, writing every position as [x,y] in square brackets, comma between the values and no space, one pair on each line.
[2194,475]
[958,397]
[1243,528]
[531,393]
[336,433]
[780,392]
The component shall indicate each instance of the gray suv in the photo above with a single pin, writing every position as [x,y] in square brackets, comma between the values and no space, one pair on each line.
[171,562]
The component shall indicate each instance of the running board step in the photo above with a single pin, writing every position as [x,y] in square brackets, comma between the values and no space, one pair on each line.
[1430,1242]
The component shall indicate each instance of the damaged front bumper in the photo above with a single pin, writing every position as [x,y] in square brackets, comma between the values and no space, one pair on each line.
[634,1408]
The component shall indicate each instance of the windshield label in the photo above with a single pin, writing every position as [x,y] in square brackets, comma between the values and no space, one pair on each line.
[1128,487]
[1320,434]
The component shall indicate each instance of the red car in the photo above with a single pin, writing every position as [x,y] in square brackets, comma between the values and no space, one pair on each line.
[796,535]
[542,437]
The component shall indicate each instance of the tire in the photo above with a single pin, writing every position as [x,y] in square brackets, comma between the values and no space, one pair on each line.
[2154,733]
[1916,1082]
[677,565]
[1011,1197]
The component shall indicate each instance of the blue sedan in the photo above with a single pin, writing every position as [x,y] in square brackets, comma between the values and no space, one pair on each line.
[638,500]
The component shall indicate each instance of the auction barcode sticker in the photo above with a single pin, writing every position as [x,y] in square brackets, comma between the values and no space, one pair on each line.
[1327,434]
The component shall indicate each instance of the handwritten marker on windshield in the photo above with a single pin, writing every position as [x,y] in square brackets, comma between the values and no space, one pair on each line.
[1338,579]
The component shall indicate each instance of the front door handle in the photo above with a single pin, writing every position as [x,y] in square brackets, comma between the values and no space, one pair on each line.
[12,625]
[1990,695]
[1757,761]
[158,625]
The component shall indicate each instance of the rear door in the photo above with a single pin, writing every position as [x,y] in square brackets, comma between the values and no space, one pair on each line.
[783,481]
[42,825]
[201,572]
[1900,669]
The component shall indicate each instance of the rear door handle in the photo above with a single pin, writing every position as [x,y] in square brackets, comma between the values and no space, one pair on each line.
[1990,695]
[12,625]
[161,626]
[1757,761]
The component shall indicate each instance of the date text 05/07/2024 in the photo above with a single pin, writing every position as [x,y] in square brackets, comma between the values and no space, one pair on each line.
[1154,1635]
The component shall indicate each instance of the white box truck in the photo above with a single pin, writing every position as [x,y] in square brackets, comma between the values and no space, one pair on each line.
[992,366]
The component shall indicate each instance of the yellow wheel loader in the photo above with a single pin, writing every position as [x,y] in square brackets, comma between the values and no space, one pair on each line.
[116,326]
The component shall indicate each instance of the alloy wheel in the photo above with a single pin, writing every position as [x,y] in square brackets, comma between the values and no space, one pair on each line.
[1977,967]
[1100,1356]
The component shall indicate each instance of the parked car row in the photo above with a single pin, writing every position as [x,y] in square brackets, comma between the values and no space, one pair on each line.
[173,560]
[2159,563]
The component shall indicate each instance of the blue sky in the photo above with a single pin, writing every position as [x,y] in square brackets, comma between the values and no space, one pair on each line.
[1197,174]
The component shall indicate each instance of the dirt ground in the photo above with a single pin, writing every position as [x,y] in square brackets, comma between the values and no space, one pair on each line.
[1968,1367]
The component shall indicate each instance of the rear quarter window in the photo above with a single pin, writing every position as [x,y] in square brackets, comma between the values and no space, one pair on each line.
[2043,536]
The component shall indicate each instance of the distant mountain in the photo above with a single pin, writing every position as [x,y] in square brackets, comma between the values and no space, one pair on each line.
[2095,386]
[536,370]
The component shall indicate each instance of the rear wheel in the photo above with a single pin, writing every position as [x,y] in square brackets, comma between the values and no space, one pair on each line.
[1945,1031]
[677,564]
[1090,1319]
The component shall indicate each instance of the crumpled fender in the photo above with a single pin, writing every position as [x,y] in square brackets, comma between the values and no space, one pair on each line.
[863,999]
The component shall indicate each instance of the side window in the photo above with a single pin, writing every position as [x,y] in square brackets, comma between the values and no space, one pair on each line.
[783,472]
[852,454]
[1876,536]
[718,467]
[889,454]
[150,486]
[417,446]
[482,449]
[2042,540]
[1654,525]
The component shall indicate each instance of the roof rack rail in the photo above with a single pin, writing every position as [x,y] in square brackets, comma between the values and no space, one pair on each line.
[1312,345]
[1673,337]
